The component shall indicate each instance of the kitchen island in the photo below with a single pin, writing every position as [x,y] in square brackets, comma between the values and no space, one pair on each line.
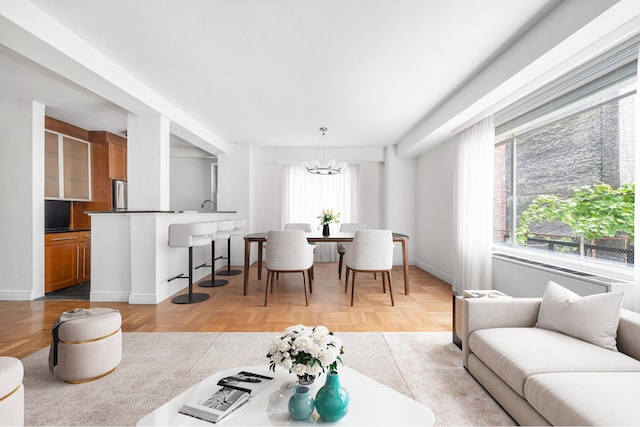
[131,260]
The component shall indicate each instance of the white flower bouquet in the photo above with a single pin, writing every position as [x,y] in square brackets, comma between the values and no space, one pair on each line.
[306,350]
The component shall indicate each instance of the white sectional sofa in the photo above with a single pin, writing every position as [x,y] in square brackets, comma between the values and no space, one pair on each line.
[542,376]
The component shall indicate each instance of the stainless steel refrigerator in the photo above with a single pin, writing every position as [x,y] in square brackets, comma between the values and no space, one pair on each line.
[119,195]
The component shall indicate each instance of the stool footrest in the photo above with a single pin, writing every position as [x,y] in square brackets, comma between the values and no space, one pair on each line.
[179,276]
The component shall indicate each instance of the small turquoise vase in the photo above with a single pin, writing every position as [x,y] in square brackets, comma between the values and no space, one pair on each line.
[301,403]
[332,400]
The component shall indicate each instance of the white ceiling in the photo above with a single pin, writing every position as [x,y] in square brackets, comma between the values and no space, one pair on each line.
[271,72]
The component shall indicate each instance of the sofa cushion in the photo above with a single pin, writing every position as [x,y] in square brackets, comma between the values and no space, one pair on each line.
[593,318]
[586,398]
[515,354]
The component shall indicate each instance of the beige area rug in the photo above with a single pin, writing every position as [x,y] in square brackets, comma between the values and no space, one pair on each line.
[155,367]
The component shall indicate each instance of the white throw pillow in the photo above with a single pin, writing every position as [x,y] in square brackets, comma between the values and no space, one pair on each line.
[593,318]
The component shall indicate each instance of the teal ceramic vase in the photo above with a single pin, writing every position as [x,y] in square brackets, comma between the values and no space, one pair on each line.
[301,403]
[332,400]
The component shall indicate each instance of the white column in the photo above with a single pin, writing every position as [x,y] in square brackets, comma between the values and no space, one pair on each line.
[148,162]
[22,206]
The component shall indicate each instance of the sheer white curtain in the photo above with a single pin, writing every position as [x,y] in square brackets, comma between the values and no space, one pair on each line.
[636,220]
[305,195]
[473,207]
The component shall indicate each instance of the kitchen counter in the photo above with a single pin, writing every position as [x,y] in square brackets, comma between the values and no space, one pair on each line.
[132,262]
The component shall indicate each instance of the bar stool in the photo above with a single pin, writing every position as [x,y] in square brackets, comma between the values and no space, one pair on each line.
[236,230]
[187,236]
[220,234]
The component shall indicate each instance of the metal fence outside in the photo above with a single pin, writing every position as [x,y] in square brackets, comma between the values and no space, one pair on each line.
[620,249]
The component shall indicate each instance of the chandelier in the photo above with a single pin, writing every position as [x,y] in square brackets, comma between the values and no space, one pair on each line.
[323,167]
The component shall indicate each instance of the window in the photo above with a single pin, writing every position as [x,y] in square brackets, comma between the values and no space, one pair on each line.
[306,195]
[564,170]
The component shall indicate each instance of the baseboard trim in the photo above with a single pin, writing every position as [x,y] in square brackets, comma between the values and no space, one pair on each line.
[432,270]
[16,296]
[108,296]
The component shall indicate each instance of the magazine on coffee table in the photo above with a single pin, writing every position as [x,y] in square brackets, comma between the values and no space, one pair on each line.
[215,402]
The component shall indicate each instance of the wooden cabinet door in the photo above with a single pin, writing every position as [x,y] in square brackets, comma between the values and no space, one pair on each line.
[84,269]
[60,263]
[117,161]
[51,166]
[76,169]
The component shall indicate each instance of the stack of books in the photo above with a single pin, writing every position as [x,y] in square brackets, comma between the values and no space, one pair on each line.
[214,403]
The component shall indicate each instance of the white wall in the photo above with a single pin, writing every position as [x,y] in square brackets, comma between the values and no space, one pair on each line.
[371,195]
[266,212]
[22,207]
[434,210]
[400,199]
[234,191]
[190,183]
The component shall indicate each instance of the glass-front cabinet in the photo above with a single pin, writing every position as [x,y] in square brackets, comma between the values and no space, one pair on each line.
[67,167]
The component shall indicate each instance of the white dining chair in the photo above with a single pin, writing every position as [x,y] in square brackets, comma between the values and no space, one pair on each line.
[347,227]
[289,252]
[303,226]
[306,227]
[371,251]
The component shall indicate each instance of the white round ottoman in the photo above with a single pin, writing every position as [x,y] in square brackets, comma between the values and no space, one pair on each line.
[86,344]
[11,392]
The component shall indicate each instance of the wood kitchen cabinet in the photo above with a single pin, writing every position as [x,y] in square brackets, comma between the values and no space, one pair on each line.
[67,171]
[117,158]
[67,259]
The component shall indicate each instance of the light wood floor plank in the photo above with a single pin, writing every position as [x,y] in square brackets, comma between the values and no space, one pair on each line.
[26,326]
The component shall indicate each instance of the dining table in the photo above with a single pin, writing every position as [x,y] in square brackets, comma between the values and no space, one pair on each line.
[317,237]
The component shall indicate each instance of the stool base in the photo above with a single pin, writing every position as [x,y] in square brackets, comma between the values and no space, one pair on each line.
[212,283]
[189,298]
[228,272]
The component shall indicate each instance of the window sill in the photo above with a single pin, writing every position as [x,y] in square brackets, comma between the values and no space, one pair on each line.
[559,261]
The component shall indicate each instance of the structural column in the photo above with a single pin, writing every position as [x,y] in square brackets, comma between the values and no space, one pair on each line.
[148,162]
[22,207]
[148,174]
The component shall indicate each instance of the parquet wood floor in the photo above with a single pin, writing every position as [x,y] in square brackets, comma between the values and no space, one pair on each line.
[25,326]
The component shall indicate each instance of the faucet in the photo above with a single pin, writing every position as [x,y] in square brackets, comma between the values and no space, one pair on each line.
[205,202]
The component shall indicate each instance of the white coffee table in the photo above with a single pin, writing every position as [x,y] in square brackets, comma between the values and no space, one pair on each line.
[371,403]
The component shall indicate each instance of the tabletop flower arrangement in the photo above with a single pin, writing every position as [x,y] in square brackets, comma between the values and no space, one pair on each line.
[306,351]
[326,218]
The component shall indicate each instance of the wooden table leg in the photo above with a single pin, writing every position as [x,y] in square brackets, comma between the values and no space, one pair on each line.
[405,265]
[247,255]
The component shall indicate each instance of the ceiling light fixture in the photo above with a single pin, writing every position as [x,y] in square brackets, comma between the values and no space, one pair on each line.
[322,167]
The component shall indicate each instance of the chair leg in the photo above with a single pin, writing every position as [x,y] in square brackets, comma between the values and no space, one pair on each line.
[304,285]
[353,286]
[384,287]
[266,290]
[310,274]
[274,276]
[346,280]
[390,291]
[340,266]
